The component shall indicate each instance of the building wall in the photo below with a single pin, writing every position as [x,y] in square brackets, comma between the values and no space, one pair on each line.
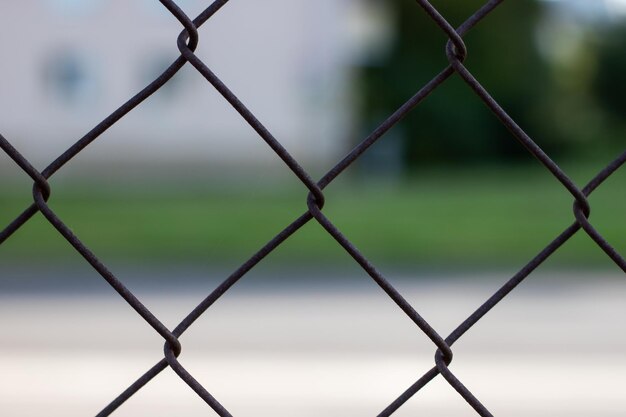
[66,64]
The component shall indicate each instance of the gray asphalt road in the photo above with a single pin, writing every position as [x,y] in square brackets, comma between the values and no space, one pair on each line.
[556,347]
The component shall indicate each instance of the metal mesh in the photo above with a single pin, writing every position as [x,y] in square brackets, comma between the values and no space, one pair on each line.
[187,41]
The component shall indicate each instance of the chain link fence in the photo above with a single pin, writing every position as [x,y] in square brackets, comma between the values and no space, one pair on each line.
[187,41]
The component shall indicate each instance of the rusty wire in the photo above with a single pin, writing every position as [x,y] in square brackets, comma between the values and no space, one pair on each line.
[187,41]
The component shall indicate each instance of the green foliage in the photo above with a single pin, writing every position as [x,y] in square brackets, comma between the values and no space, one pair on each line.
[452,125]
[609,85]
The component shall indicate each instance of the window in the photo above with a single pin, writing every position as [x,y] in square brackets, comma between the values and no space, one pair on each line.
[68,78]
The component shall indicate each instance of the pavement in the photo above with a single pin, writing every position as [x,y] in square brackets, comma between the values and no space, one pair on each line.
[555,347]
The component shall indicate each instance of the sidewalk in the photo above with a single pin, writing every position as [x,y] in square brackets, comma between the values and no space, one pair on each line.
[553,349]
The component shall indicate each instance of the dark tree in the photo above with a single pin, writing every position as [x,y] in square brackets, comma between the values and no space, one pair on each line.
[452,126]
[609,86]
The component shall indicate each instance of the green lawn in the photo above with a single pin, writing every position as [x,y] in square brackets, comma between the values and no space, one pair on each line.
[485,218]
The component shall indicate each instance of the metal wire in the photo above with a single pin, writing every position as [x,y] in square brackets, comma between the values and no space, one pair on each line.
[188,39]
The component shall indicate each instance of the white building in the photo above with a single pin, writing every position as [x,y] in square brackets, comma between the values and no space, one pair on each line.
[67,64]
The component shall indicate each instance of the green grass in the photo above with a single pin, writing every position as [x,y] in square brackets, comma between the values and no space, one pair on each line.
[482,218]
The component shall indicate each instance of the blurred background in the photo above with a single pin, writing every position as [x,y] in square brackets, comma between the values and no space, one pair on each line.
[181,191]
